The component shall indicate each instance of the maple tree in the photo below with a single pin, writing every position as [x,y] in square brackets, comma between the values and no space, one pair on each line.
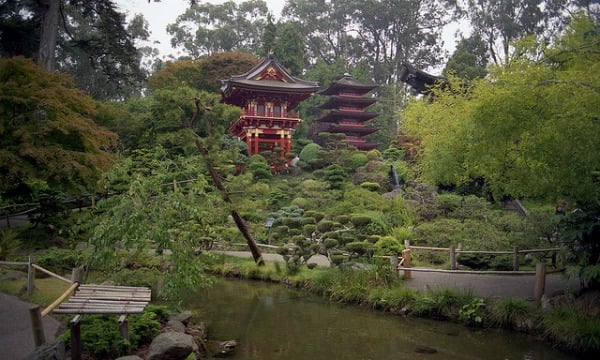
[48,137]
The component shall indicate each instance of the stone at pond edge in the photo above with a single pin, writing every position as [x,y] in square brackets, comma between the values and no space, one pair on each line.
[175,325]
[184,317]
[422,349]
[220,349]
[129,357]
[170,346]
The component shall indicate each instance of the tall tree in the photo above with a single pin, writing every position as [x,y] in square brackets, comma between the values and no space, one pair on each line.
[469,60]
[207,28]
[289,49]
[501,22]
[85,38]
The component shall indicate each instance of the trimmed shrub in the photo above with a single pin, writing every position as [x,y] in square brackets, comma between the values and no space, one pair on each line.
[318,216]
[371,186]
[388,245]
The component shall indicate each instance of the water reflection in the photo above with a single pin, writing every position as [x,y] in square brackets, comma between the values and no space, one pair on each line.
[272,322]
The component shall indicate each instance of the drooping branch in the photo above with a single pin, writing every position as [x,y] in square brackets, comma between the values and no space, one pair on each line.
[237,218]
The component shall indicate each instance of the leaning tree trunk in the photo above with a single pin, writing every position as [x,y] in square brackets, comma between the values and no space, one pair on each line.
[239,222]
[49,10]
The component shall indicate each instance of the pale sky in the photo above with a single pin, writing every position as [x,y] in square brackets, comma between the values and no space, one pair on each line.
[160,14]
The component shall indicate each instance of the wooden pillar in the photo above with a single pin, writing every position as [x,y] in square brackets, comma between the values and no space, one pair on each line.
[124,327]
[255,140]
[77,274]
[516,258]
[35,314]
[30,277]
[75,326]
[406,257]
[540,283]
[453,265]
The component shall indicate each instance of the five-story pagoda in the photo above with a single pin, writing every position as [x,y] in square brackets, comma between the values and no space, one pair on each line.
[347,114]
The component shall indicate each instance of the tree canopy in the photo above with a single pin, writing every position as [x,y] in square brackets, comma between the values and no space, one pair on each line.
[530,130]
[48,137]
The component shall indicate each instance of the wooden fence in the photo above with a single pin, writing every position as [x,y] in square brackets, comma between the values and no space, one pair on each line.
[540,270]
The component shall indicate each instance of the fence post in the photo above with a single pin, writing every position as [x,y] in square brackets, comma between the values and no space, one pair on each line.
[406,257]
[75,326]
[124,327]
[453,265]
[35,314]
[77,274]
[30,276]
[394,263]
[540,283]
[516,258]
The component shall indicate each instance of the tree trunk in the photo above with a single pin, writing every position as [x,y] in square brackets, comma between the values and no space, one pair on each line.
[49,10]
[239,222]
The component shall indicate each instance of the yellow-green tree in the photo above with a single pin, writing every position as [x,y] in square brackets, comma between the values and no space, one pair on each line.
[530,129]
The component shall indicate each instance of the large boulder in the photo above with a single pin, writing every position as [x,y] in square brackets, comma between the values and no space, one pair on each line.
[170,346]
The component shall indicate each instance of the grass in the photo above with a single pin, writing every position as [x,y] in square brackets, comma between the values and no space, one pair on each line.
[47,290]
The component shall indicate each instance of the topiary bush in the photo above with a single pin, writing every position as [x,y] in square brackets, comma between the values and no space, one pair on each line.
[388,245]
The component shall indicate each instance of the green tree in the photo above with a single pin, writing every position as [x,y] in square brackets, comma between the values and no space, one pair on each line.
[89,39]
[219,27]
[469,60]
[501,22]
[48,137]
[530,130]
[289,49]
[203,74]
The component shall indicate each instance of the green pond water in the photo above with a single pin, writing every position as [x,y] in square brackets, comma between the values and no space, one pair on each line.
[270,321]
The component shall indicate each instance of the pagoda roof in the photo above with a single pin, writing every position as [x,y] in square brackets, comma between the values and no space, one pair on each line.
[340,100]
[348,83]
[335,115]
[268,76]
[418,79]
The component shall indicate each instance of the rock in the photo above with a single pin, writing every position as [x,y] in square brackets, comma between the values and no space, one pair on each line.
[221,348]
[184,317]
[422,349]
[198,331]
[14,275]
[176,326]
[170,346]
[129,357]
[51,351]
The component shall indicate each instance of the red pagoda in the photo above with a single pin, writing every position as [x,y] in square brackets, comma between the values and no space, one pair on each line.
[266,93]
[348,116]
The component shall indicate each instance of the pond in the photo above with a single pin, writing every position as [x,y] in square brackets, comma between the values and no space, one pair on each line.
[271,321]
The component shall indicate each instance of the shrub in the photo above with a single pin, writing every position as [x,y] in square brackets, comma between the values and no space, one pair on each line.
[360,248]
[573,330]
[308,229]
[356,160]
[301,202]
[342,219]
[387,245]
[318,216]
[509,313]
[371,186]
[60,260]
[325,225]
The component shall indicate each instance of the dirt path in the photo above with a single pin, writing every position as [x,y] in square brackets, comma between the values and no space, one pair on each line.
[16,335]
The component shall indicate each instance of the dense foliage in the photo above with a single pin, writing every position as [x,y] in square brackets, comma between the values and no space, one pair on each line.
[48,137]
